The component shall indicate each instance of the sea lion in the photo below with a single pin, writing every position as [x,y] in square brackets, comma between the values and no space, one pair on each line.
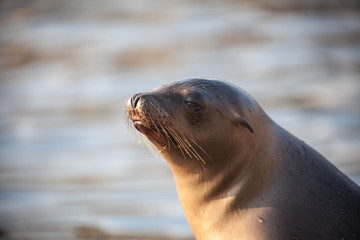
[238,174]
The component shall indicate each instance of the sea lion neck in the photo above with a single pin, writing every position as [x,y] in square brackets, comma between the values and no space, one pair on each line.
[236,178]
[213,194]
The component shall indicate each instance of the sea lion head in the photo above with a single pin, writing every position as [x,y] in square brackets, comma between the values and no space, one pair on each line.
[195,121]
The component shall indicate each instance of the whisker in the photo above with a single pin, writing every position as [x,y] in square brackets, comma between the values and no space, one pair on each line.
[184,143]
[171,140]
[149,145]
[190,148]
[179,143]
[163,131]
[202,151]
[168,138]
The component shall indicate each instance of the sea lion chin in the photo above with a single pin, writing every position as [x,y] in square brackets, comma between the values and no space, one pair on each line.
[238,174]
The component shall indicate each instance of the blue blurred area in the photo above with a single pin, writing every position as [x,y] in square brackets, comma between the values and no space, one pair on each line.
[70,168]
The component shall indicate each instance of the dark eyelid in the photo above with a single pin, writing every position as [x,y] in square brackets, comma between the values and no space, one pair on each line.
[193,106]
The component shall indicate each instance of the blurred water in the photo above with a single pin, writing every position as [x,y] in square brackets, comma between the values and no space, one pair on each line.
[69,168]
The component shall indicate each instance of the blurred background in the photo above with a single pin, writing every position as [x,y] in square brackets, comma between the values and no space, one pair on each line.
[69,167]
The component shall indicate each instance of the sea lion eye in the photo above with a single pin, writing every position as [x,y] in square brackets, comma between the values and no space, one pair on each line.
[193,106]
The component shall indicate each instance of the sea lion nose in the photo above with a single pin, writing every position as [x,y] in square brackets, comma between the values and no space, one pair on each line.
[135,99]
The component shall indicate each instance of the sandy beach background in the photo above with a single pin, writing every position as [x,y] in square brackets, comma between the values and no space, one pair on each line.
[70,169]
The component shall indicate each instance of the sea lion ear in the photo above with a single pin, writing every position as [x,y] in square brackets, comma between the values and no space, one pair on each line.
[241,121]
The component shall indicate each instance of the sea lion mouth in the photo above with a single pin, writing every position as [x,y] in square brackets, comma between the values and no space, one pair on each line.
[159,133]
[151,130]
[140,125]
[144,127]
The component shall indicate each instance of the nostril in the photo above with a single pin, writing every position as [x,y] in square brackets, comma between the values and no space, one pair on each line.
[135,100]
